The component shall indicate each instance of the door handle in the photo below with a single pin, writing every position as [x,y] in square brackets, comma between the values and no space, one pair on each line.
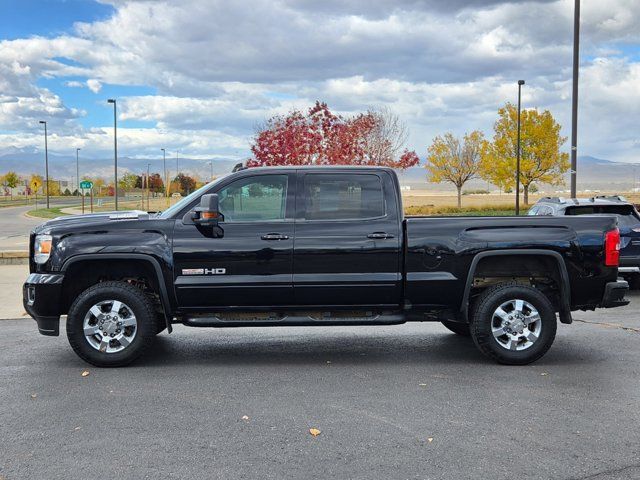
[274,236]
[379,235]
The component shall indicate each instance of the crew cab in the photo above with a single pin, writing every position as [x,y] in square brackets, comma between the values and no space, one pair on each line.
[316,246]
[628,224]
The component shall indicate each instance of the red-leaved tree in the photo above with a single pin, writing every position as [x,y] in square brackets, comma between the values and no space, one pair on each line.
[323,138]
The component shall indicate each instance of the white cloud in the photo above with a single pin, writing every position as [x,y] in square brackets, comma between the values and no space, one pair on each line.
[94,85]
[222,67]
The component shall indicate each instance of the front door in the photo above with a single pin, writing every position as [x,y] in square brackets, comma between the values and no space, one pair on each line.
[347,250]
[251,264]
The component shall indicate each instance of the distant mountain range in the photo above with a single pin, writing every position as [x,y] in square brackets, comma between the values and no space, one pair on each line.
[593,173]
[63,167]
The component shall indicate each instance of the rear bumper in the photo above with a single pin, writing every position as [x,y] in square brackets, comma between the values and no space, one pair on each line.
[41,299]
[629,264]
[614,293]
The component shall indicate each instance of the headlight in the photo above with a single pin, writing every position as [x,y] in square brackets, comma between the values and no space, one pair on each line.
[42,248]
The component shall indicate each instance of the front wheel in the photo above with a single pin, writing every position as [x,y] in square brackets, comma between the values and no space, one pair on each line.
[111,324]
[513,324]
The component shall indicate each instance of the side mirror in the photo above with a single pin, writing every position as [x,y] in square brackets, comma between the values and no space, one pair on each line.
[207,214]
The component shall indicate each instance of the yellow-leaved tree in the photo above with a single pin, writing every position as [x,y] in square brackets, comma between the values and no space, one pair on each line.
[452,160]
[541,160]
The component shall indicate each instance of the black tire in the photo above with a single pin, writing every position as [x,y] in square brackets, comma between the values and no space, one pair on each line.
[137,301]
[482,319]
[457,327]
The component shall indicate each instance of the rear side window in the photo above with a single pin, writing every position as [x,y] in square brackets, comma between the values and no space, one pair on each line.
[342,196]
[627,216]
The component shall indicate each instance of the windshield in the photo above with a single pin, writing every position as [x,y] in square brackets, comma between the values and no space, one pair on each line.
[186,201]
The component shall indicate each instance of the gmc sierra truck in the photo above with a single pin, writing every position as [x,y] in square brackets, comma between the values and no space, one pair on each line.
[316,246]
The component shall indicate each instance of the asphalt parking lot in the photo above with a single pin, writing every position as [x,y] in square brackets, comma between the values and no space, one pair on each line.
[410,401]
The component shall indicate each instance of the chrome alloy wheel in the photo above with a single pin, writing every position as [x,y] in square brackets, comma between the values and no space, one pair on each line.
[110,326]
[516,325]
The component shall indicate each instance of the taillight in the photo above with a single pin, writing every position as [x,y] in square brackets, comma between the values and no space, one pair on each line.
[612,248]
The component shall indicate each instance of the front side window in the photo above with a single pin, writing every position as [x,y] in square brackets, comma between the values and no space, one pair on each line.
[254,199]
[342,196]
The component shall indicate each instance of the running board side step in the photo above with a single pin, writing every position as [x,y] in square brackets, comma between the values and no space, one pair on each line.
[300,320]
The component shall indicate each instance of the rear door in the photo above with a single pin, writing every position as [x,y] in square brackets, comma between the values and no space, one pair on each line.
[348,239]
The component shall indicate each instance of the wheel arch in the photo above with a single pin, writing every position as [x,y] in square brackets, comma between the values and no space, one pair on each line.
[151,269]
[564,306]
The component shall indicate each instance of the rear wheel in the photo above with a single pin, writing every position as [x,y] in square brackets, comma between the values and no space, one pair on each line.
[111,324]
[513,324]
[457,327]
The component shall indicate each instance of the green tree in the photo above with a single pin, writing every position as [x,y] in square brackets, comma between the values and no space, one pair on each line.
[452,160]
[541,160]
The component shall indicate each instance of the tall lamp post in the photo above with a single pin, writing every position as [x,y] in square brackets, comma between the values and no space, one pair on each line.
[177,163]
[164,167]
[574,98]
[211,167]
[115,150]
[520,83]
[46,161]
[78,170]
[148,165]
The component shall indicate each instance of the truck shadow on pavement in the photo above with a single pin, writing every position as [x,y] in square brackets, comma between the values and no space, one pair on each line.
[242,347]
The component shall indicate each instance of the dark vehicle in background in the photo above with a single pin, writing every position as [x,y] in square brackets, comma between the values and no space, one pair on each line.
[316,246]
[628,224]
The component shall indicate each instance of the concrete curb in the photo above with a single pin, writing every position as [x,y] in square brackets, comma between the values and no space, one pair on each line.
[14,257]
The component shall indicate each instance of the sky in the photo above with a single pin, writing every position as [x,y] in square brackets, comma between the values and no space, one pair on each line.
[198,76]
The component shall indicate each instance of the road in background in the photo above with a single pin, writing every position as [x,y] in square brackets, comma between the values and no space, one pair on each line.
[409,401]
[15,226]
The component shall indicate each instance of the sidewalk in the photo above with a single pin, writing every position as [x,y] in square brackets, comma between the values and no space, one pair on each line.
[11,279]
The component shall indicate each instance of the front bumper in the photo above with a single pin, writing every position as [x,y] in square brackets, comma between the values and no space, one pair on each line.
[41,294]
[614,293]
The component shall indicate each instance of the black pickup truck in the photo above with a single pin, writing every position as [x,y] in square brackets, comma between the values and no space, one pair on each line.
[316,246]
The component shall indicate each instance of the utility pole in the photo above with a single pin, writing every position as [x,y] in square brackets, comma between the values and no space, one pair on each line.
[574,99]
[46,161]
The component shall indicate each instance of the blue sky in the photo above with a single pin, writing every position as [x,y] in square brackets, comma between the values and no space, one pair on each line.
[199,75]
[24,18]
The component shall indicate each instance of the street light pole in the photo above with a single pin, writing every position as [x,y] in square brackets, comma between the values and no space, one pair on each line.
[46,161]
[177,163]
[148,208]
[164,167]
[211,166]
[574,99]
[78,170]
[520,83]
[115,150]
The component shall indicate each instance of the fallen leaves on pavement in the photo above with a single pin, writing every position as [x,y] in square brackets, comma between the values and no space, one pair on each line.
[314,431]
[85,373]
